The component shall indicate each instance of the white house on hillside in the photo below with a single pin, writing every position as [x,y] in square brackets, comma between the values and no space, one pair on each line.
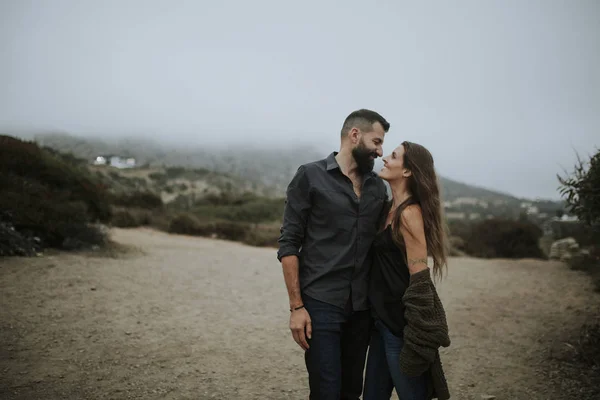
[115,161]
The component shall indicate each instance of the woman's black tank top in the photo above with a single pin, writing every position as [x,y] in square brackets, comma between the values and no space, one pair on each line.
[389,279]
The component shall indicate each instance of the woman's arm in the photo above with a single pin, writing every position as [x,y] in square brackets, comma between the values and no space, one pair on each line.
[413,232]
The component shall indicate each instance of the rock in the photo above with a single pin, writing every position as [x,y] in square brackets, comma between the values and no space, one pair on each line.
[566,257]
[562,247]
[487,397]
[568,251]
[14,243]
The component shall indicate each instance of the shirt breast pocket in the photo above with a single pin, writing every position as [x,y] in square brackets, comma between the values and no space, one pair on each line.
[334,210]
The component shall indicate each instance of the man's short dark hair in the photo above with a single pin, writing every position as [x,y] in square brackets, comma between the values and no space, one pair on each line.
[364,119]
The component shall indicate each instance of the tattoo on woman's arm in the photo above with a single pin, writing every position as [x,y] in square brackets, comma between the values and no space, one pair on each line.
[414,261]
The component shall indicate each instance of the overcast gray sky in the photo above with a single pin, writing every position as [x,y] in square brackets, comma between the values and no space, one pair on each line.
[501,92]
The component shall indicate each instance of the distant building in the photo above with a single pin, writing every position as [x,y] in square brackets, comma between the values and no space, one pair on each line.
[532,210]
[466,201]
[529,208]
[115,161]
[119,162]
[100,160]
[456,215]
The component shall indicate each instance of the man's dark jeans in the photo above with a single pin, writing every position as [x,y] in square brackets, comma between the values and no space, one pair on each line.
[336,358]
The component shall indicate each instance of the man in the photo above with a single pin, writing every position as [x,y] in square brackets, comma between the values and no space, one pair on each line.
[331,216]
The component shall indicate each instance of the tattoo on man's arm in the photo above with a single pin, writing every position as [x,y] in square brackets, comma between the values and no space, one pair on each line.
[414,261]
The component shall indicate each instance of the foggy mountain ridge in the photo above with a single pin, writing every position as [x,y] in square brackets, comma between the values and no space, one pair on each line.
[266,167]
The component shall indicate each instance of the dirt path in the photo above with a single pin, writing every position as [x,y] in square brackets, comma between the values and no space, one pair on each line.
[193,318]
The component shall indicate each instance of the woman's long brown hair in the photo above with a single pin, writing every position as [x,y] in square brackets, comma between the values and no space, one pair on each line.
[425,190]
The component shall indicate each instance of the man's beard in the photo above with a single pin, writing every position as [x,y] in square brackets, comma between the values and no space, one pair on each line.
[362,155]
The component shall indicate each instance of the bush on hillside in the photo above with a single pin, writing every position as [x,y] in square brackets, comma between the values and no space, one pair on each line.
[49,199]
[14,243]
[460,228]
[131,218]
[144,200]
[588,344]
[249,209]
[227,198]
[457,246]
[263,236]
[35,166]
[500,238]
[158,176]
[175,172]
[252,234]
[581,232]
[582,192]
[188,225]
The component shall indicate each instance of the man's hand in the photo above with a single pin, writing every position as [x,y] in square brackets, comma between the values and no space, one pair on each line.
[301,327]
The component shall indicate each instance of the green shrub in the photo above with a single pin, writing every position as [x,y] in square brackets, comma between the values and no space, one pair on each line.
[189,225]
[80,236]
[145,200]
[500,238]
[263,236]
[588,344]
[157,176]
[254,210]
[231,231]
[582,233]
[175,172]
[51,215]
[185,224]
[460,228]
[582,191]
[456,246]
[228,198]
[24,164]
[49,198]
[588,260]
[131,218]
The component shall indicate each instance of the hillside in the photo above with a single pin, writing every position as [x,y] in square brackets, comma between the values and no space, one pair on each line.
[264,169]
[53,197]
[47,200]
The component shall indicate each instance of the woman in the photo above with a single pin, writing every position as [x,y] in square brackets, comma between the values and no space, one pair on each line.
[409,320]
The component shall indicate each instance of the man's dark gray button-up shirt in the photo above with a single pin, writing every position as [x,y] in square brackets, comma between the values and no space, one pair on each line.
[331,230]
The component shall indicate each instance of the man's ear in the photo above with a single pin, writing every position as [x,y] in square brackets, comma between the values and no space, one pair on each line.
[354,135]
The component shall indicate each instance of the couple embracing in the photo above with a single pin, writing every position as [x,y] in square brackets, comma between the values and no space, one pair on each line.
[355,264]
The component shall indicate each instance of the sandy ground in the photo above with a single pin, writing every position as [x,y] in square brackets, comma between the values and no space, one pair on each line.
[192,318]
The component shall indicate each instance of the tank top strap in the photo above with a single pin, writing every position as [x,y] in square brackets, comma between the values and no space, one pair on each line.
[407,203]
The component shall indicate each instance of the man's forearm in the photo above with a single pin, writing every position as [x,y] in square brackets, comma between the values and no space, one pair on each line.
[290,267]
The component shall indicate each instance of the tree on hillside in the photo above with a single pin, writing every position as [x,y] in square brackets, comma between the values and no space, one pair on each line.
[582,191]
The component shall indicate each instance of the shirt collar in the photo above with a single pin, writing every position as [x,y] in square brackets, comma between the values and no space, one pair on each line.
[333,164]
